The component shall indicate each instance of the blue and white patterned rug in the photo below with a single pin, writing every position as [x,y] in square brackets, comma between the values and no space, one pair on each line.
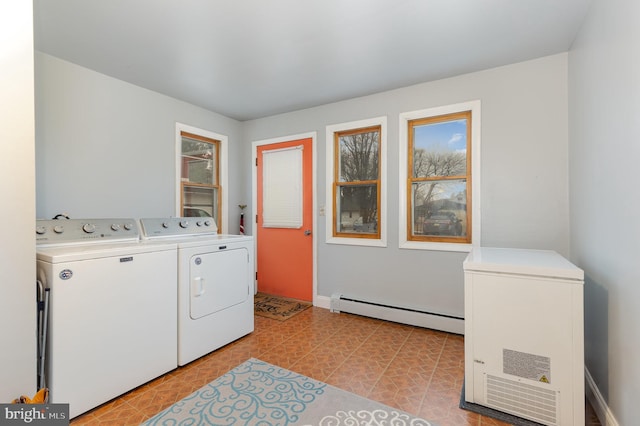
[258,393]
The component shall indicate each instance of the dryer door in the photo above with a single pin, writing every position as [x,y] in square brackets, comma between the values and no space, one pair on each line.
[219,280]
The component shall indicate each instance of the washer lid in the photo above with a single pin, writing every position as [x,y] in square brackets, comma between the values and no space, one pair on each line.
[72,253]
[544,263]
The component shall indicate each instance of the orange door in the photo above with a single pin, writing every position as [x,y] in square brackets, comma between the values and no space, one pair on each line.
[285,254]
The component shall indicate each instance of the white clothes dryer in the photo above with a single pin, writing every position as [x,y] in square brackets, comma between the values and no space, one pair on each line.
[112,309]
[215,283]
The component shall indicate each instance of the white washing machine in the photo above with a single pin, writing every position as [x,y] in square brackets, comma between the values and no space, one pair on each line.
[112,309]
[215,283]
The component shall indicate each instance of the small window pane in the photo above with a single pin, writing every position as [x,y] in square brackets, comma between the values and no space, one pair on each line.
[358,157]
[440,149]
[357,209]
[440,208]
[200,202]
[199,162]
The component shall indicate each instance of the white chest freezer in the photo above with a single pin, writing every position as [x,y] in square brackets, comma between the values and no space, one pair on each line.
[524,334]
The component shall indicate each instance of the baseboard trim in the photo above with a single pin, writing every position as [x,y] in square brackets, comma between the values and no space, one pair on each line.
[597,401]
[322,302]
[389,313]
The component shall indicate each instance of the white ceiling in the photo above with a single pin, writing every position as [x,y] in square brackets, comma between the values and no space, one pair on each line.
[247,59]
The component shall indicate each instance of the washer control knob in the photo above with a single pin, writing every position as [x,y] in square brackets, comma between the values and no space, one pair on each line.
[128,226]
[207,222]
[115,227]
[184,223]
[41,230]
[199,223]
[58,229]
[165,225]
[89,228]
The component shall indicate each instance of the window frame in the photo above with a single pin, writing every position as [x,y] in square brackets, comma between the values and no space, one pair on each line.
[222,175]
[333,132]
[434,115]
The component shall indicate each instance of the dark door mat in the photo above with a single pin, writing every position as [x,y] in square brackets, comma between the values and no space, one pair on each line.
[278,308]
[490,412]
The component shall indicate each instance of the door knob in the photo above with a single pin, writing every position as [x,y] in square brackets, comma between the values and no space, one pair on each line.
[307,232]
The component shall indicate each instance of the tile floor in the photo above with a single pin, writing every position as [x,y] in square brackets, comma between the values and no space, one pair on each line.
[414,369]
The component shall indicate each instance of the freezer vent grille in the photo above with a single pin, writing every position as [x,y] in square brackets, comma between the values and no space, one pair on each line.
[523,400]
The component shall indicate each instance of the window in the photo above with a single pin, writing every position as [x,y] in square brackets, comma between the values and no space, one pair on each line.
[355,183]
[439,195]
[201,177]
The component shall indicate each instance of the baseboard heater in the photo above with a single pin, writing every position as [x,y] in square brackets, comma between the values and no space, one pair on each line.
[436,321]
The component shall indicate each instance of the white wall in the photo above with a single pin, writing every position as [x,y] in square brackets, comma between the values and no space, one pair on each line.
[106,148]
[17,189]
[524,179]
[604,104]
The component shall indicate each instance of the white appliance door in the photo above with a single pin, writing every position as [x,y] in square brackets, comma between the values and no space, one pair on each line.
[218,280]
[112,326]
